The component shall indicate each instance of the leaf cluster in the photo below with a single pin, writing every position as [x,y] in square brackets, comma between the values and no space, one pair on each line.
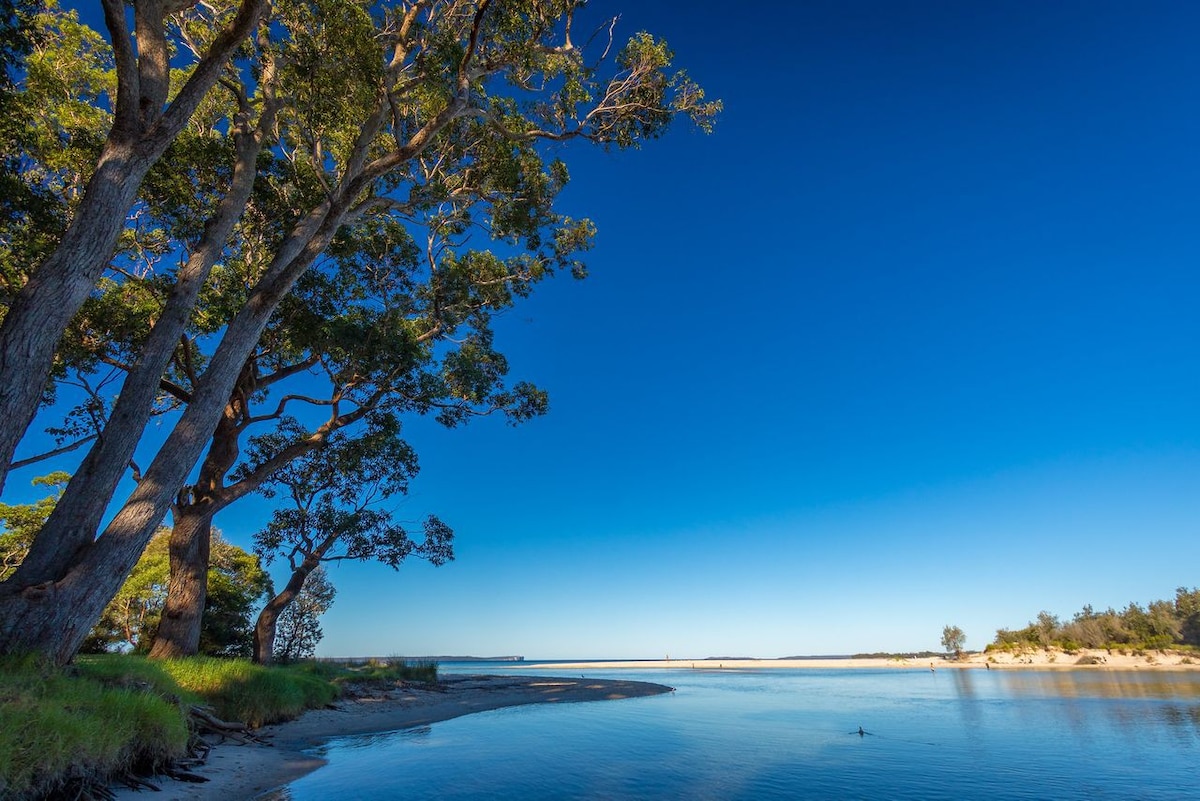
[1160,624]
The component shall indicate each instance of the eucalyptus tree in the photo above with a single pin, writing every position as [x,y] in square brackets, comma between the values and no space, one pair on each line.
[415,113]
[147,114]
[336,514]
[360,335]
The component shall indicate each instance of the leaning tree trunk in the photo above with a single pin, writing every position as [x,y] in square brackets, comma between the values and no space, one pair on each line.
[264,629]
[141,133]
[77,514]
[179,628]
[53,619]
[191,538]
[39,313]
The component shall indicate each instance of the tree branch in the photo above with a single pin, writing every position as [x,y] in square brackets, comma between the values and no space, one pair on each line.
[41,457]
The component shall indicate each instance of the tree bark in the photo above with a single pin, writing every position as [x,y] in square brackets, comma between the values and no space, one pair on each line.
[39,314]
[52,619]
[77,515]
[183,612]
[141,133]
[191,538]
[264,629]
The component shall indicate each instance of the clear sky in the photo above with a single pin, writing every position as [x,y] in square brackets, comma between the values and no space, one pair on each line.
[911,339]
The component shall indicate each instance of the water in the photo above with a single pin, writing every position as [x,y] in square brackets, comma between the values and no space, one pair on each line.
[792,734]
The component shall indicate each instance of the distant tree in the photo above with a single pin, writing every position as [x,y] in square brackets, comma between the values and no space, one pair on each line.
[953,640]
[23,521]
[335,516]
[1187,610]
[298,629]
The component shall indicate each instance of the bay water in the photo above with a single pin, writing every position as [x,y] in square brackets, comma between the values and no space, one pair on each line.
[794,734]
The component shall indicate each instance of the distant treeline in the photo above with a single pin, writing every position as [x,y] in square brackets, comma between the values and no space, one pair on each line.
[906,655]
[1162,624]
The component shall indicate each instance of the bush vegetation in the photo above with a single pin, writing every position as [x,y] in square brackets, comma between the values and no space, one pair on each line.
[63,728]
[1173,624]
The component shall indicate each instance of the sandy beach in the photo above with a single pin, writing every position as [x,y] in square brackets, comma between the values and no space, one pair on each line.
[1050,659]
[239,771]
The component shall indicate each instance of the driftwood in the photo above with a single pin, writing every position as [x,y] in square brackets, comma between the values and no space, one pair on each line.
[204,720]
[137,783]
[184,776]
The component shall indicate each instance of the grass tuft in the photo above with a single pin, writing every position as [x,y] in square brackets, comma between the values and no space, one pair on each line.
[257,695]
[56,728]
[61,728]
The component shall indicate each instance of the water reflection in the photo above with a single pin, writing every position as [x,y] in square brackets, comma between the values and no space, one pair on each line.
[780,736]
[1167,698]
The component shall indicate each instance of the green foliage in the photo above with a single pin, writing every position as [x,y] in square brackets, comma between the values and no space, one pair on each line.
[236,583]
[1161,624]
[333,490]
[22,522]
[51,127]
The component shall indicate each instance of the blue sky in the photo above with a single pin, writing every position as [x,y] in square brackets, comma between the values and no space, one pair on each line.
[910,340]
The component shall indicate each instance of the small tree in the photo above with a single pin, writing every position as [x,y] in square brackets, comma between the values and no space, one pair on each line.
[334,492]
[298,629]
[21,522]
[953,640]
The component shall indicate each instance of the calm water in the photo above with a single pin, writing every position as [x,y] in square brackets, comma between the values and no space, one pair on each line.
[792,734]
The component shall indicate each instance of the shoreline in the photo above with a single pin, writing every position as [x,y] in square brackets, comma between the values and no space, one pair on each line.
[1036,659]
[252,771]
[249,771]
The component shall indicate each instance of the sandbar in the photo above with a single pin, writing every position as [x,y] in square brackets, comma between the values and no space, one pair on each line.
[236,771]
[1039,658]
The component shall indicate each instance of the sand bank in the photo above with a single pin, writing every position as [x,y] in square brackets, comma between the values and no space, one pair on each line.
[1040,658]
[245,771]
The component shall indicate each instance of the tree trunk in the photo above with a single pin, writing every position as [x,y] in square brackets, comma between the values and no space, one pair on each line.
[183,612]
[40,312]
[179,633]
[264,629]
[53,619]
[77,515]
[141,133]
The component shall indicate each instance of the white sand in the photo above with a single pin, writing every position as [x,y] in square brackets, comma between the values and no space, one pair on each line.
[1039,658]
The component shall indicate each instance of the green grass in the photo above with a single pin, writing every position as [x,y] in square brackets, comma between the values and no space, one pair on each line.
[389,670]
[110,714]
[253,694]
[56,727]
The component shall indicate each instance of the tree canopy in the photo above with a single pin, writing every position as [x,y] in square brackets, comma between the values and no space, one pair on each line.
[1160,624]
[340,132]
